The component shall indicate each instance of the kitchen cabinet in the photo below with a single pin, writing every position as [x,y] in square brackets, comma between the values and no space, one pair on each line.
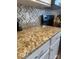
[54,44]
[40,51]
[55,38]
[46,1]
[48,50]
[35,3]
[54,49]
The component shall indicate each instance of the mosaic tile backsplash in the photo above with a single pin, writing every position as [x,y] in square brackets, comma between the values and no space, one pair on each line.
[30,16]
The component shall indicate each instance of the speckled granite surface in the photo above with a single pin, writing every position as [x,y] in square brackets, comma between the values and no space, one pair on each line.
[31,38]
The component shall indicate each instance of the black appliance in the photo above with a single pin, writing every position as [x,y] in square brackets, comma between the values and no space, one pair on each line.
[47,20]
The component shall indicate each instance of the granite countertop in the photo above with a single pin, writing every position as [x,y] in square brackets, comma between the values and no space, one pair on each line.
[30,39]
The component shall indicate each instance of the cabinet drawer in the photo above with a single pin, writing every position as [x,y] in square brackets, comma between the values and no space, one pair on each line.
[53,39]
[40,51]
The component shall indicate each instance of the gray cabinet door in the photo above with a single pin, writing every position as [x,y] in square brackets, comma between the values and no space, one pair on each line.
[53,39]
[45,55]
[54,49]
